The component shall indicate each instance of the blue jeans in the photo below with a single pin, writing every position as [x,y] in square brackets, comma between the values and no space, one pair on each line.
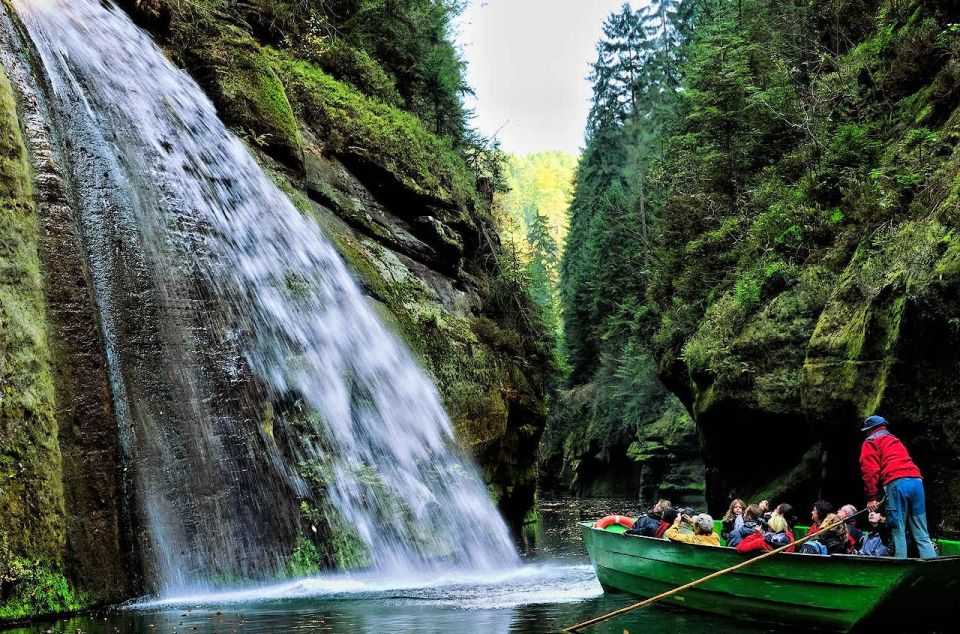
[906,506]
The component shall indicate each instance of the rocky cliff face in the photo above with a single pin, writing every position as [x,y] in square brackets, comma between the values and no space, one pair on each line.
[400,206]
[623,435]
[789,356]
[396,200]
[62,545]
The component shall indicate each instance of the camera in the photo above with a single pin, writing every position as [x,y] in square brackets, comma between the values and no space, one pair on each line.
[686,513]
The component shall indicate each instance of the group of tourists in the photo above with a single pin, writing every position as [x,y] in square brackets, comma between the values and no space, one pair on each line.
[885,465]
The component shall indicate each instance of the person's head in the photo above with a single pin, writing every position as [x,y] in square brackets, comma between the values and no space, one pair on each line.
[777,524]
[837,525]
[661,506]
[669,514]
[703,524]
[787,512]
[873,424]
[875,518]
[736,508]
[821,508]
[847,511]
[752,512]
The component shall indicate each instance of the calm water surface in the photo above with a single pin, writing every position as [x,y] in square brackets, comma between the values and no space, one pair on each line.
[554,587]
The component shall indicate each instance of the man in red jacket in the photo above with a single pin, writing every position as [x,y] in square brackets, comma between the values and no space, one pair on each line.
[884,462]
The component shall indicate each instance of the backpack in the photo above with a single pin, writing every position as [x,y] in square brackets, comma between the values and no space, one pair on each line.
[873,546]
[814,547]
[646,526]
[777,540]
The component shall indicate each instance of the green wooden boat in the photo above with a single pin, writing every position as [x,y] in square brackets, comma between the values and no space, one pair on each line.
[835,593]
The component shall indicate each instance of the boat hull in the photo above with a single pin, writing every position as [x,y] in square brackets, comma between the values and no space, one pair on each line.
[834,593]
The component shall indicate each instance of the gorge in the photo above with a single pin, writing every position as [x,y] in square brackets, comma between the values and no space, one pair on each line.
[277,323]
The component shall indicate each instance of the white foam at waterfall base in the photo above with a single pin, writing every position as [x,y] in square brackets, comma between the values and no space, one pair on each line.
[525,585]
[164,175]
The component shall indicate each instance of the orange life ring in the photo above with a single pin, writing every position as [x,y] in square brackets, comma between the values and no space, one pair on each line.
[609,520]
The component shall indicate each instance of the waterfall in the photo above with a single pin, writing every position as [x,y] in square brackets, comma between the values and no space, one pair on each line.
[242,352]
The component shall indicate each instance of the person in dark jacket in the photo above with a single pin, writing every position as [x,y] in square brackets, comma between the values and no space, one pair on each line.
[876,542]
[885,462]
[750,516]
[777,534]
[669,516]
[648,524]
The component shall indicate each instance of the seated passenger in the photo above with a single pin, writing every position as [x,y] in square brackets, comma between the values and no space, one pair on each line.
[750,516]
[787,512]
[733,519]
[702,530]
[876,542]
[821,508]
[647,525]
[847,513]
[833,540]
[777,534]
[669,516]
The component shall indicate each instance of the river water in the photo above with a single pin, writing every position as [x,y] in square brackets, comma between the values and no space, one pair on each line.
[553,587]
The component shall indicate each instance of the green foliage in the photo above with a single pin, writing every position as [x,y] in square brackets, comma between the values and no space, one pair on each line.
[305,560]
[798,187]
[532,218]
[613,215]
[31,589]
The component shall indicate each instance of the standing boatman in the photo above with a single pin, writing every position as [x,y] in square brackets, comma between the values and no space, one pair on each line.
[884,461]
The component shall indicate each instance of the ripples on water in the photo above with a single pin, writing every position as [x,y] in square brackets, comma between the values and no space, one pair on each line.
[554,587]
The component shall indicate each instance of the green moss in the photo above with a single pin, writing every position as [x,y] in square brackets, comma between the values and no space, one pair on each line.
[32,589]
[353,124]
[240,80]
[349,64]
[31,490]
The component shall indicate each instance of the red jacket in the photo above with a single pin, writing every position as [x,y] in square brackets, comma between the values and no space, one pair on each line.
[883,459]
[757,541]
[662,529]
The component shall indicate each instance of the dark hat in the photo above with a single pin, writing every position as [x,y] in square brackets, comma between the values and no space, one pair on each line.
[873,421]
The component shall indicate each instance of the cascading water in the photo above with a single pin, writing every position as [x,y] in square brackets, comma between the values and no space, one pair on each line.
[218,298]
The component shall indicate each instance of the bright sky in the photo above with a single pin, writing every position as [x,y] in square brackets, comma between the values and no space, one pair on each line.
[528,62]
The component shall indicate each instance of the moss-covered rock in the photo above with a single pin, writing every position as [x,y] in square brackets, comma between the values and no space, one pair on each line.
[828,290]
[238,77]
[376,134]
[623,434]
[32,526]
[494,398]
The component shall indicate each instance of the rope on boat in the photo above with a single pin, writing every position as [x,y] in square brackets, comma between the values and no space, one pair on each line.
[714,575]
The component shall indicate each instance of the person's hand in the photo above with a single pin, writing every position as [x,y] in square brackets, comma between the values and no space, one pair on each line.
[873,505]
[676,521]
[758,529]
